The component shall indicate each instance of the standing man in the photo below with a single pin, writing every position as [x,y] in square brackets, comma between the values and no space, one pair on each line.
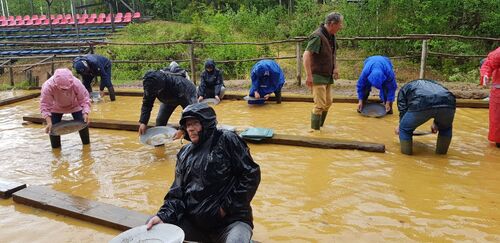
[267,77]
[490,72]
[215,181]
[419,101]
[171,90]
[91,66]
[321,66]
[377,72]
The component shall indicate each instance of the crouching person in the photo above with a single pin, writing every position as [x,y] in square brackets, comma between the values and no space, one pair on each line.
[419,101]
[64,93]
[215,181]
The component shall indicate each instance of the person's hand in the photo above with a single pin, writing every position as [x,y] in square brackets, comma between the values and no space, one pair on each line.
[335,73]
[200,98]
[142,128]
[396,130]
[484,80]
[222,213]
[434,128]
[48,128]
[309,81]
[360,106]
[86,118]
[153,221]
[179,134]
[387,106]
[256,95]
[217,98]
[266,96]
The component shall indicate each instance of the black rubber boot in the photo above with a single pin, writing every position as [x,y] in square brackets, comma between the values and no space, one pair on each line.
[111,91]
[55,141]
[323,118]
[84,135]
[315,121]
[498,145]
[442,144]
[278,97]
[406,147]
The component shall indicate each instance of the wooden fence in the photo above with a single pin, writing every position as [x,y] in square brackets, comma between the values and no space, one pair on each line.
[8,62]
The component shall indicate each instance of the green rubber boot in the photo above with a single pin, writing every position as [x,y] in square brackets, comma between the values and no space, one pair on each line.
[323,118]
[315,121]
[442,144]
[406,147]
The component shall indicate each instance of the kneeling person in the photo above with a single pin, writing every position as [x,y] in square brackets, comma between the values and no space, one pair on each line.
[419,101]
[215,181]
[267,77]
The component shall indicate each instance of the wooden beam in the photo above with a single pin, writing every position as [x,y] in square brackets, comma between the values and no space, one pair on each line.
[12,100]
[9,187]
[80,208]
[325,143]
[276,139]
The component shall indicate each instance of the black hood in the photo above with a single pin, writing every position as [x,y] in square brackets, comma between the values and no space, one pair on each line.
[154,82]
[210,63]
[203,113]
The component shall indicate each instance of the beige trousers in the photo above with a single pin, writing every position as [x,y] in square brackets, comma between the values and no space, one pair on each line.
[322,98]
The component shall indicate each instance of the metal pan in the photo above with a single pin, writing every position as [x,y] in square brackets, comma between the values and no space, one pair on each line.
[157,136]
[373,110]
[209,101]
[66,127]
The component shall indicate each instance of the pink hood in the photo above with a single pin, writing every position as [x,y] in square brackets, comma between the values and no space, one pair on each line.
[63,93]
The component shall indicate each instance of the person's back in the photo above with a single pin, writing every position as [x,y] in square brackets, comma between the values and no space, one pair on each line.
[424,94]
[422,100]
[267,77]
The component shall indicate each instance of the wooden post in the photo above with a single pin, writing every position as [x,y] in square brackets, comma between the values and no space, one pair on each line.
[191,56]
[11,72]
[423,59]
[52,65]
[299,62]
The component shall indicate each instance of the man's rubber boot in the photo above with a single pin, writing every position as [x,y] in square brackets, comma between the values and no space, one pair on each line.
[315,121]
[323,118]
[84,135]
[278,98]
[55,141]
[111,91]
[498,145]
[442,144]
[406,147]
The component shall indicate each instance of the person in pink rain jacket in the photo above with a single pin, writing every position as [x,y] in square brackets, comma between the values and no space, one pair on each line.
[490,72]
[64,93]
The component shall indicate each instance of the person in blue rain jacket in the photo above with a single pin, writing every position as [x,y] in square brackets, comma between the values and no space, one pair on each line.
[267,77]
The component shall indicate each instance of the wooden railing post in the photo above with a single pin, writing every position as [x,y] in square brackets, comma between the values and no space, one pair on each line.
[53,68]
[192,59]
[11,74]
[299,61]
[423,59]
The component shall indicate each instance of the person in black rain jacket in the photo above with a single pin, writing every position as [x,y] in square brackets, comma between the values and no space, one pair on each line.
[215,181]
[212,84]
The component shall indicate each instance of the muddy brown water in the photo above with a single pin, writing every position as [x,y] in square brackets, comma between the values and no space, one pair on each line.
[306,194]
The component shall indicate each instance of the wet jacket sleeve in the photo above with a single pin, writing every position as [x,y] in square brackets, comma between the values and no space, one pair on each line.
[82,96]
[148,101]
[218,83]
[391,87]
[255,82]
[203,85]
[173,207]
[248,174]
[402,102]
[491,63]
[363,83]
[46,101]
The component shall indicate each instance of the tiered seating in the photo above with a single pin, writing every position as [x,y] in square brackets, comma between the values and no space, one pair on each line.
[67,19]
[40,52]
[56,29]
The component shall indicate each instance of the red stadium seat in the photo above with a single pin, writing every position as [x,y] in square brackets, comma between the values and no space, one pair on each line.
[12,22]
[56,21]
[127,14]
[85,16]
[42,17]
[11,18]
[4,22]
[137,15]
[34,17]
[118,20]
[93,16]
[37,22]
[102,15]
[68,16]
[90,20]
[99,20]
[19,17]
[64,21]
[26,17]
[82,20]
[119,15]
[28,22]
[127,19]
[2,18]
[46,22]
[52,16]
